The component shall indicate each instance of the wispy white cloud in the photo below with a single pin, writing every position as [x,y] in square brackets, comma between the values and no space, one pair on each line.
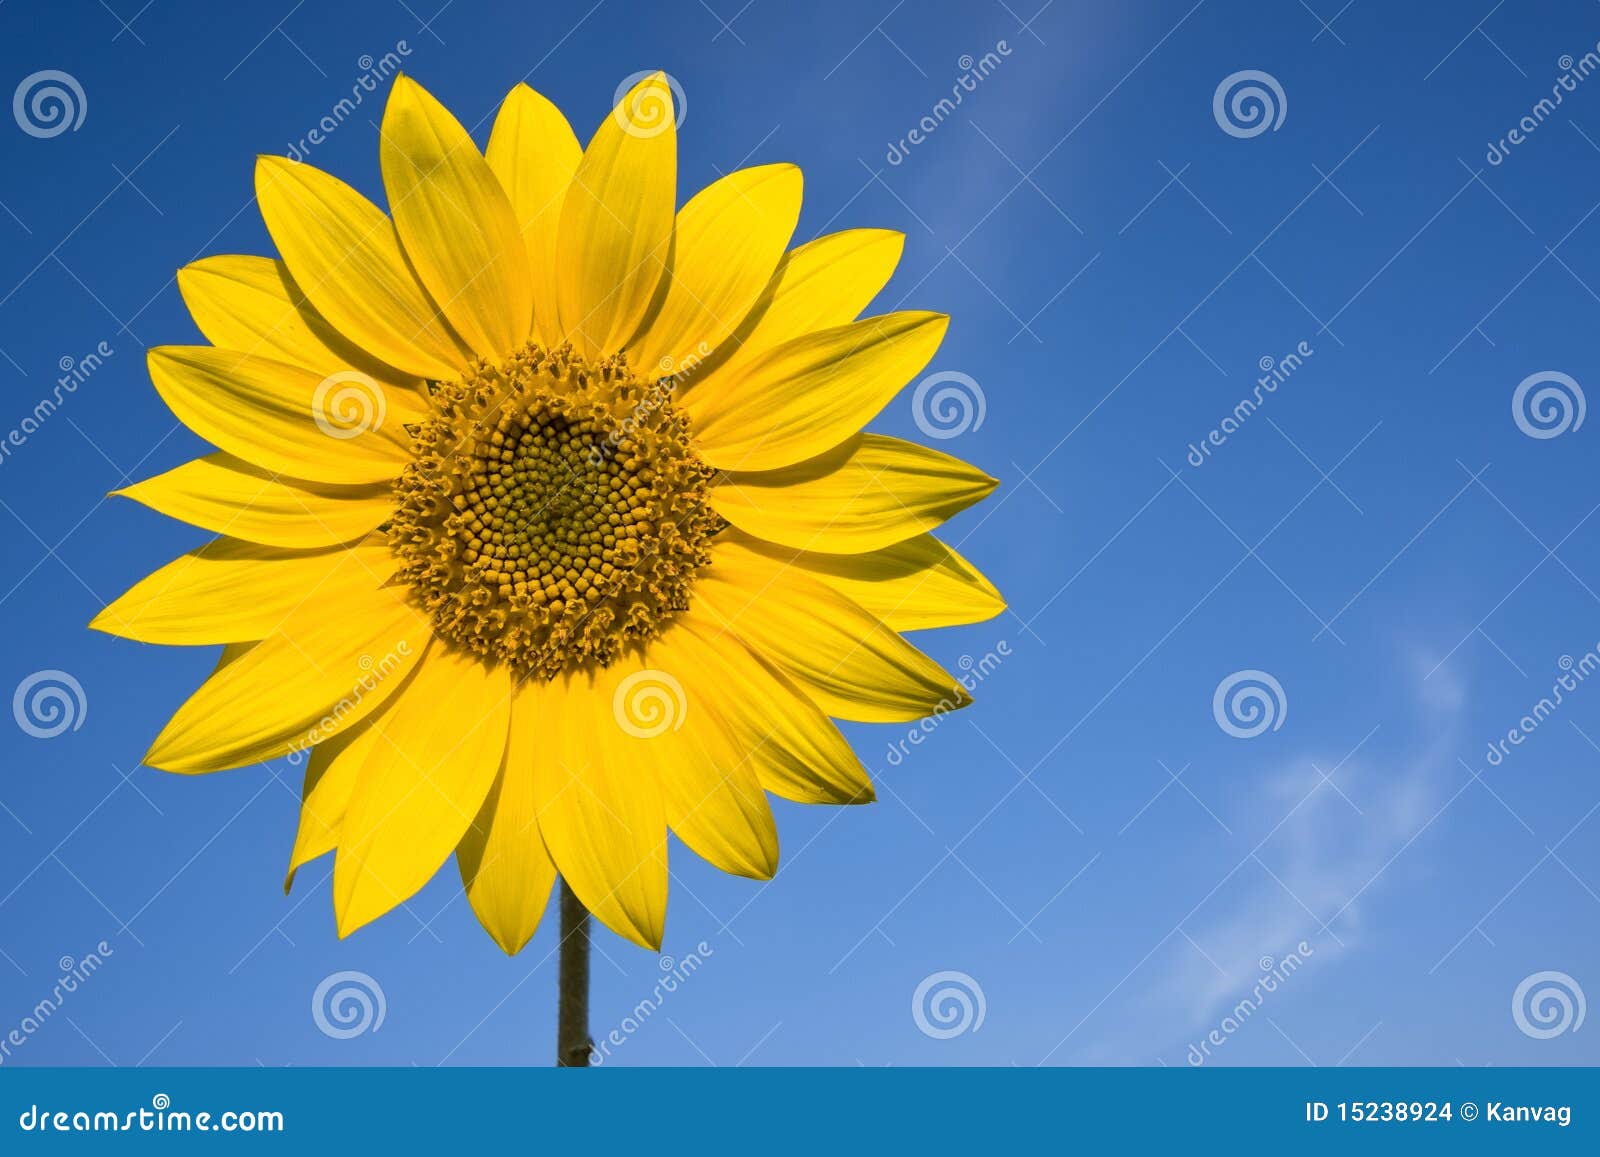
[1309,862]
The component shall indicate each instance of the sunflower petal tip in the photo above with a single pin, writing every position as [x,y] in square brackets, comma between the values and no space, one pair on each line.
[645,936]
[162,355]
[406,86]
[510,945]
[346,920]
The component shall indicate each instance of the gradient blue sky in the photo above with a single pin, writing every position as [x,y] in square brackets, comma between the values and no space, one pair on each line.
[1380,536]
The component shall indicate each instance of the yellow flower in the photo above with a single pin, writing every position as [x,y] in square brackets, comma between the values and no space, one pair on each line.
[546,522]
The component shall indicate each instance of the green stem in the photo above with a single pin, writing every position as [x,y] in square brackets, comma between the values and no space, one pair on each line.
[572,1028]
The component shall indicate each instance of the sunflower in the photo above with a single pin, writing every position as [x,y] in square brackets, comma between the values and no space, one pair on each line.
[546,522]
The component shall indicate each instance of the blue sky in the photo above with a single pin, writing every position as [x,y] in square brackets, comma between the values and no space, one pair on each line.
[1110,866]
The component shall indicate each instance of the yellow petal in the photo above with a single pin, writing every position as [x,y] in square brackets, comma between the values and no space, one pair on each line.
[616,221]
[226,592]
[455,222]
[871,492]
[709,790]
[434,757]
[231,652]
[504,865]
[330,782]
[252,305]
[281,417]
[346,257]
[600,814]
[534,152]
[818,285]
[851,665]
[797,751]
[727,241]
[913,585]
[227,495]
[810,394]
[332,661]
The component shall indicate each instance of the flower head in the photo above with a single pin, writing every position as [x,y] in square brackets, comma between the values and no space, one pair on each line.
[546,523]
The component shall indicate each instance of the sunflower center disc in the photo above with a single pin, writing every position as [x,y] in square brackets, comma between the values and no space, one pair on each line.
[554,512]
